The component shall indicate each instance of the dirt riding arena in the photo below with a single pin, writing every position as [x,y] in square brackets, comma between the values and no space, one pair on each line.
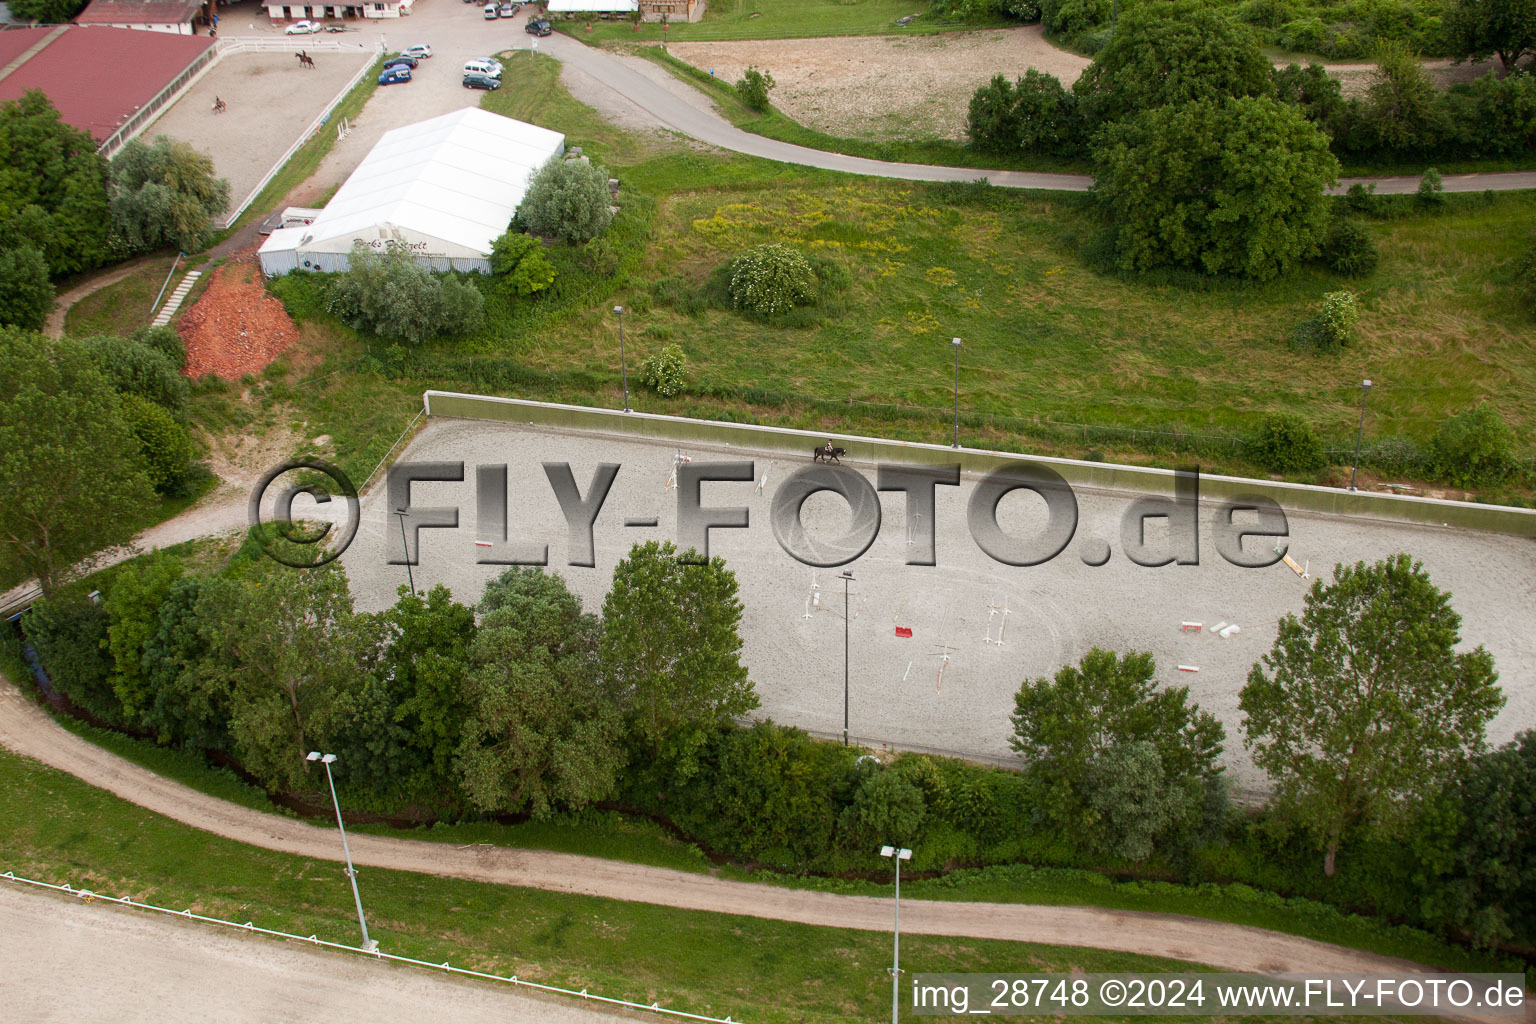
[950,685]
[270,100]
[924,83]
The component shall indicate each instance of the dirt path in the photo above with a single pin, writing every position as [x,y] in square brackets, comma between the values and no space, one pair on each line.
[62,304]
[24,728]
[145,966]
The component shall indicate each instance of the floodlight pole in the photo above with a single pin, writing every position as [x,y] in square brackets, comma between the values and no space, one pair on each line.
[623,368]
[1365,389]
[406,547]
[955,342]
[847,578]
[314,755]
[897,855]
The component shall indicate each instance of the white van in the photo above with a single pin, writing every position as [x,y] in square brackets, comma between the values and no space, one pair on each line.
[482,67]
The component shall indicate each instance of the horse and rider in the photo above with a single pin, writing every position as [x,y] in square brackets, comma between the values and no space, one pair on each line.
[829,453]
[219,106]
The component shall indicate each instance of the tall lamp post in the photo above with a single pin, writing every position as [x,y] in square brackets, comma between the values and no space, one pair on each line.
[623,368]
[897,855]
[847,578]
[314,755]
[955,344]
[406,547]
[1365,389]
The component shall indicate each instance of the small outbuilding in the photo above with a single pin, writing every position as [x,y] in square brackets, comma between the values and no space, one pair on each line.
[445,188]
[173,16]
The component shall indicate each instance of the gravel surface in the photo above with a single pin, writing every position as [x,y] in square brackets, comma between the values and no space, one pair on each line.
[1056,611]
[144,966]
[27,730]
[235,328]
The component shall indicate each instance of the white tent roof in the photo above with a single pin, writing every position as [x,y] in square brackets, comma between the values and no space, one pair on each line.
[457,178]
[284,238]
[595,6]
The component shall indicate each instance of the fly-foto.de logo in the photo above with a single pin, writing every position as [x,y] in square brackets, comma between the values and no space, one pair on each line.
[1153,530]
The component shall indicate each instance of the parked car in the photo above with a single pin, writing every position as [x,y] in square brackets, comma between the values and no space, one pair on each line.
[509,10]
[395,73]
[481,82]
[419,51]
[304,28]
[409,62]
[488,68]
[539,27]
[490,10]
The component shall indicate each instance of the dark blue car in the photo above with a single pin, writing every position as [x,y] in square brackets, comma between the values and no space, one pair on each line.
[397,73]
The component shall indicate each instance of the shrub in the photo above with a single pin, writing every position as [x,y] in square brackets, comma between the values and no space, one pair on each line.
[70,635]
[1304,35]
[1286,443]
[1474,448]
[134,368]
[169,455]
[1338,316]
[569,200]
[770,279]
[1072,17]
[166,341]
[665,371]
[519,265]
[1431,193]
[886,809]
[461,308]
[1396,455]
[388,293]
[673,292]
[753,88]
[991,123]
[1348,248]
[1362,198]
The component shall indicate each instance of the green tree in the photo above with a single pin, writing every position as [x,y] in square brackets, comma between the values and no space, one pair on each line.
[1035,114]
[753,88]
[1478,29]
[165,194]
[388,293]
[1166,54]
[133,603]
[190,704]
[285,648]
[48,12]
[69,633]
[670,644]
[1492,892]
[568,199]
[1364,702]
[460,308]
[991,121]
[26,294]
[53,185]
[1062,727]
[1316,92]
[886,809]
[519,266]
[544,731]
[1134,802]
[170,457]
[1403,108]
[403,723]
[1235,187]
[70,470]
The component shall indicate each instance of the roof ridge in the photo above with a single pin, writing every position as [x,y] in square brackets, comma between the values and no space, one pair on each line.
[32,51]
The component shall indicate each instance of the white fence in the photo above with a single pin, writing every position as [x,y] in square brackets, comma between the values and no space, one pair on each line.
[284,44]
[261,45]
[88,895]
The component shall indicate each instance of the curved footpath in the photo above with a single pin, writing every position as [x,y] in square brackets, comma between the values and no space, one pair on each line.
[683,117]
[27,730]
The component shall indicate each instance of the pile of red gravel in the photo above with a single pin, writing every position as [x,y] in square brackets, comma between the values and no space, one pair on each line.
[236,328]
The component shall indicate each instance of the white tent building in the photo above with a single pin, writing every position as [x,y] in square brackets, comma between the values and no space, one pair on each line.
[447,188]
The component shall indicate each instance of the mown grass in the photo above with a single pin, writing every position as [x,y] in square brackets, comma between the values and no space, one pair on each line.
[59,830]
[777,19]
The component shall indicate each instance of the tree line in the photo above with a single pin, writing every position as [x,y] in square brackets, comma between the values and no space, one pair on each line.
[1367,716]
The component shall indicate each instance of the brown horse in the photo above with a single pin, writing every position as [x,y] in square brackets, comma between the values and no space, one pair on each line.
[219,106]
[828,452]
[305,60]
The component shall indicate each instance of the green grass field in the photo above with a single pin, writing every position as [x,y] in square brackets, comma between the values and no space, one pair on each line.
[60,830]
[776,19]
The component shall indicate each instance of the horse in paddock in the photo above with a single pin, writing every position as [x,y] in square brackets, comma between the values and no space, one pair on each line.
[305,60]
[828,452]
[219,106]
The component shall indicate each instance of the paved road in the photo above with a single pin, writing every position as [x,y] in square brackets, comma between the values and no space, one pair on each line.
[24,728]
[68,961]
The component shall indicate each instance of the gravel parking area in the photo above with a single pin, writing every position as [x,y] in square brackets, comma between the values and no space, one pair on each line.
[270,100]
[1055,611]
